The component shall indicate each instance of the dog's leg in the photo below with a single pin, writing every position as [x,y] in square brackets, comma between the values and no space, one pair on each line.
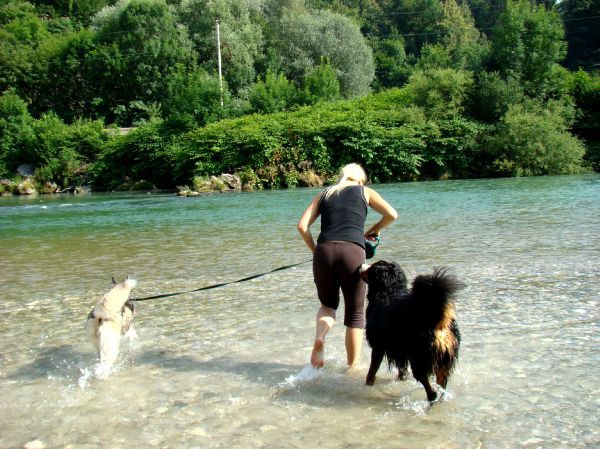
[92,333]
[110,338]
[131,334]
[441,377]
[420,373]
[376,359]
[431,393]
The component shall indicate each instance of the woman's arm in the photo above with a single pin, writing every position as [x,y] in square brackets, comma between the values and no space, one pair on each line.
[308,217]
[388,213]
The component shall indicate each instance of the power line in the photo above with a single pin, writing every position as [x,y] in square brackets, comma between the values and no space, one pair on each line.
[109,33]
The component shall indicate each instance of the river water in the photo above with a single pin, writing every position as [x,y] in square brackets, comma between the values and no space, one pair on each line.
[228,367]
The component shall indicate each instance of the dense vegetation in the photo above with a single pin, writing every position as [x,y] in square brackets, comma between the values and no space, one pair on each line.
[410,88]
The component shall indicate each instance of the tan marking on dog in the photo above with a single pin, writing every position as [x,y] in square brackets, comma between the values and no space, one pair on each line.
[444,338]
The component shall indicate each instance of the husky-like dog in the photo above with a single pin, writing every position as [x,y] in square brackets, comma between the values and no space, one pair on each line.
[111,318]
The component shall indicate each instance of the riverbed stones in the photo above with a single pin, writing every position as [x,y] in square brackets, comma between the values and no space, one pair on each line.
[49,187]
[143,185]
[233,181]
[26,187]
[224,183]
[310,179]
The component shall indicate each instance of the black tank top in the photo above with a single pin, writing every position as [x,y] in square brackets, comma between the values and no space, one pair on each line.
[343,215]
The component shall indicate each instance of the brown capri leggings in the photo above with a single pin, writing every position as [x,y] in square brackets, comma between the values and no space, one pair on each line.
[336,265]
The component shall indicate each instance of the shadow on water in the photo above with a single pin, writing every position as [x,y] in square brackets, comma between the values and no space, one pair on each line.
[299,384]
[268,372]
[59,362]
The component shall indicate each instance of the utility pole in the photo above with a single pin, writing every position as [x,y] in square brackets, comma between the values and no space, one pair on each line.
[219,59]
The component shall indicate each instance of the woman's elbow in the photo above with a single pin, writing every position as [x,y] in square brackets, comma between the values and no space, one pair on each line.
[302,228]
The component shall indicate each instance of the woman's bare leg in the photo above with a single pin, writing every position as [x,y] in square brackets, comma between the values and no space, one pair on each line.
[354,337]
[325,321]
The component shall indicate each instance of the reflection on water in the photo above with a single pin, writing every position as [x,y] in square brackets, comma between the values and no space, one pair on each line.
[228,367]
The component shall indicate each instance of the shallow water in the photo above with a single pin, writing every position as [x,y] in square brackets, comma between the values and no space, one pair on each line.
[227,367]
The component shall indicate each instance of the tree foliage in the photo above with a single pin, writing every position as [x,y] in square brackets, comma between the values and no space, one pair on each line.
[441,92]
[310,38]
[16,131]
[463,89]
[582,28]
[527,44]
[534,140]
[193,99]
[467,46]
[139,45]
[241,37]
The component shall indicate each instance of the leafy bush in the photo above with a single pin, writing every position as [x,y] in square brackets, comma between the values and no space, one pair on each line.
[321,84]
[534,140]
[390,138]
[453,151]
[53,152]
[273,94]
[585,89]
[193,100]
[16,133]
[143,154]
[491,96]
[442,93]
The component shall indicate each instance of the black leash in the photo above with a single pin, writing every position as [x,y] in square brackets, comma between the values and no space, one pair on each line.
[209,287]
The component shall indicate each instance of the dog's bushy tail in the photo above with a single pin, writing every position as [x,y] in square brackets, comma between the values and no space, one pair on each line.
[433,295]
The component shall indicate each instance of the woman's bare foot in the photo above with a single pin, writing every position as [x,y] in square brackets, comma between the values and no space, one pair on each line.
[317,358]
[352,369]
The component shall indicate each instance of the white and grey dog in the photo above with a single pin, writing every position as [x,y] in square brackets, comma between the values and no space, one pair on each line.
[111,318]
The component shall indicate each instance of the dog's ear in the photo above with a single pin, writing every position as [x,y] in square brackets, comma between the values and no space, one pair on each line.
[390,275]
[113,280]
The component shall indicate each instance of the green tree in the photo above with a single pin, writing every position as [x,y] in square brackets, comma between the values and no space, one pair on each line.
[194,99]
[240,35]
[582,27]
[20,39]
[63,82]
[533,139]
[486,13]
[15,9]
[16,133]
[492,95]
[434,56]
[417,20]
[323,34]
[321,84]
[81,11]
[391,65]
[275,94]
[139,45]
[466,45]
[442,93]
[585,89]
[528,43]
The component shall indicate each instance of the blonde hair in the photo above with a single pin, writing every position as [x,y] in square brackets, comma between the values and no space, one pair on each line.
[350,172]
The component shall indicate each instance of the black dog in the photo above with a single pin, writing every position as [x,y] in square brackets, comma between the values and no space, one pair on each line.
[414,326]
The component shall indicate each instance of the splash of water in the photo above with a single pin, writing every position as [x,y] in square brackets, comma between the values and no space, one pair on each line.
[84,378]
[307,374]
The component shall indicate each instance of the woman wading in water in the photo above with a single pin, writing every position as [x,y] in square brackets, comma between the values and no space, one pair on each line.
[339,253]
